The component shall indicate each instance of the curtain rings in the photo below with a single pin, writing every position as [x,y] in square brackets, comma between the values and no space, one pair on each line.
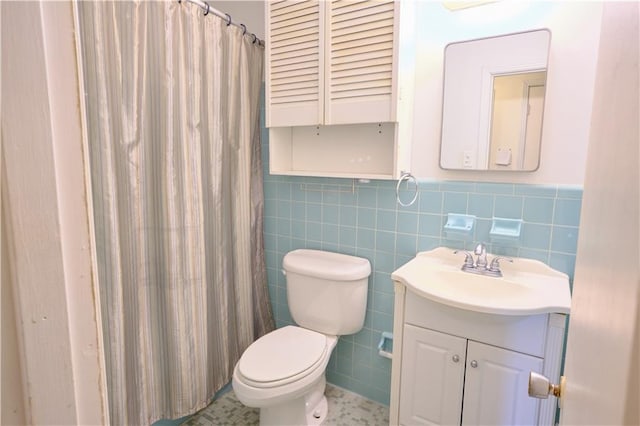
[206,12]
[254,38]
[406,176]
[228,19]
[244,29]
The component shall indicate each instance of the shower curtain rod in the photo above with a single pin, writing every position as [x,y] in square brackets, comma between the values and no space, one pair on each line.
[208,9]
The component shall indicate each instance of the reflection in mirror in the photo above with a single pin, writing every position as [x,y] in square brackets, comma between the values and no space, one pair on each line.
[493,101]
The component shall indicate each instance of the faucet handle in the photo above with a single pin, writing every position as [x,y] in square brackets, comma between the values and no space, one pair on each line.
[468,258]
[480,249]
[495,263]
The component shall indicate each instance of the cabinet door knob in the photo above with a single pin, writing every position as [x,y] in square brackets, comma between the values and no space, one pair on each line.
[474,363]
[455,358]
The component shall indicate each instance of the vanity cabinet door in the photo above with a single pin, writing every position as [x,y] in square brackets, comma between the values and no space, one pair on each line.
[432,377]
[496,387]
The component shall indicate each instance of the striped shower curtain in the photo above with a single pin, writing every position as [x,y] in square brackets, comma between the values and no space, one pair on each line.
[172,106]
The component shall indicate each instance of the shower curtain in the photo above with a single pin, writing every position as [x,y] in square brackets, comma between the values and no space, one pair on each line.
[172,103]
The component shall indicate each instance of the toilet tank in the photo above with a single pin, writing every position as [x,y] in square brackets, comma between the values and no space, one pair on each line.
[327,292]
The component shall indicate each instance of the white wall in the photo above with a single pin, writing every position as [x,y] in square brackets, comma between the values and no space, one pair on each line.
[248,12]
[575,32]
[47,215]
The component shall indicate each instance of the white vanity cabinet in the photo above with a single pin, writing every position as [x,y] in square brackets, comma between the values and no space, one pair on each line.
[338,90]
[454,366]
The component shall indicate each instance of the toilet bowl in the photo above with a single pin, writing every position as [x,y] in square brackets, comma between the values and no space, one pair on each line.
[283,372]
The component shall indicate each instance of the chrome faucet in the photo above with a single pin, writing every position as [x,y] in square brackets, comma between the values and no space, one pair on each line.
[479,266]
[481,252]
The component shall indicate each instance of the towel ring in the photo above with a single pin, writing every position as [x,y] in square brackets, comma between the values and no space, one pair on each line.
[206,12]
[406,176]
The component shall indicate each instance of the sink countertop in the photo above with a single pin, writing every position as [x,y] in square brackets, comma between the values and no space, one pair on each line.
[527,287]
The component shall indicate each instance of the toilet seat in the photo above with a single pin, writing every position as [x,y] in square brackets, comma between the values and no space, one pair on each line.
[282,356]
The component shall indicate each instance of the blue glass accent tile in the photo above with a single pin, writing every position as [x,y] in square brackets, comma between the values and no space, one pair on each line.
[298,243]
[570,192]
[284,226]
[564,263]
[270,191]
[363,337]
[314,231]
[297,194]
[427,243]
[383,302]
[507,206]
[454,186]
[430,202]
[330,197]
[284,244]
[481,205]
[536,236]
[314,212]
[348,236]
[455,202]
[536,190]
[564,239]
[348,215]
[430,224]
[270,208]
[483,227]
[495,188]
[500,250]
[362,372]
[538,210]
[331,214]
[407,223]
[384,262]
[338,379]
[366,218]
[271,224]
[345,349]
[367,197]
[567,212]
[386,198]
[284,191]
[406,244]
[428,185]
[382,322]
[284,209]
[366,238]
[386,220]
[348,198]
[344,365]
[382,379]
[541,255]
[330,234]
[386,241]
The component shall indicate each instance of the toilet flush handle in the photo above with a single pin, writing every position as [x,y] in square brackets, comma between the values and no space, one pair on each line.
[284,272]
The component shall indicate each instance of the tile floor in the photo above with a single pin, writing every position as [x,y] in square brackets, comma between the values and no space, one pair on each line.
[345,409]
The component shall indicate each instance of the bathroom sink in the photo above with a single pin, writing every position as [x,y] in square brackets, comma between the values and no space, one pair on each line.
[527,286]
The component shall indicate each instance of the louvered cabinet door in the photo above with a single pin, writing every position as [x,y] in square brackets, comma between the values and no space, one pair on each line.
[295,62]
[361,46]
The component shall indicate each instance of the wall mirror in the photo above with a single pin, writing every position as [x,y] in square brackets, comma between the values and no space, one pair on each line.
[493,102]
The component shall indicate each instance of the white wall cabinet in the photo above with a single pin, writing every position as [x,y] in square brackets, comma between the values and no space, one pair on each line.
[338,89]
[452,366]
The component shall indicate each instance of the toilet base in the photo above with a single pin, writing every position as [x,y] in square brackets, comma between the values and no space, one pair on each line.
[310,409]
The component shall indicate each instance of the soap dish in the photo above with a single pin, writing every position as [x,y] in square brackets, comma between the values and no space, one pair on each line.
[505,230]
[459,226]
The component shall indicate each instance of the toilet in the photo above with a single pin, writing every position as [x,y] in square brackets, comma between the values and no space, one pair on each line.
[283,372]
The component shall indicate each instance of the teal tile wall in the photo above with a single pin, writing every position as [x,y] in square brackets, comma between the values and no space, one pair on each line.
[303,212]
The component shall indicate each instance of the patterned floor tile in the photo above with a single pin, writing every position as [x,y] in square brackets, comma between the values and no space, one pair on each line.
[345,409]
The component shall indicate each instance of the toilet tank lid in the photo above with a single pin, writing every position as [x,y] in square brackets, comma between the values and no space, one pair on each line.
[326,265]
